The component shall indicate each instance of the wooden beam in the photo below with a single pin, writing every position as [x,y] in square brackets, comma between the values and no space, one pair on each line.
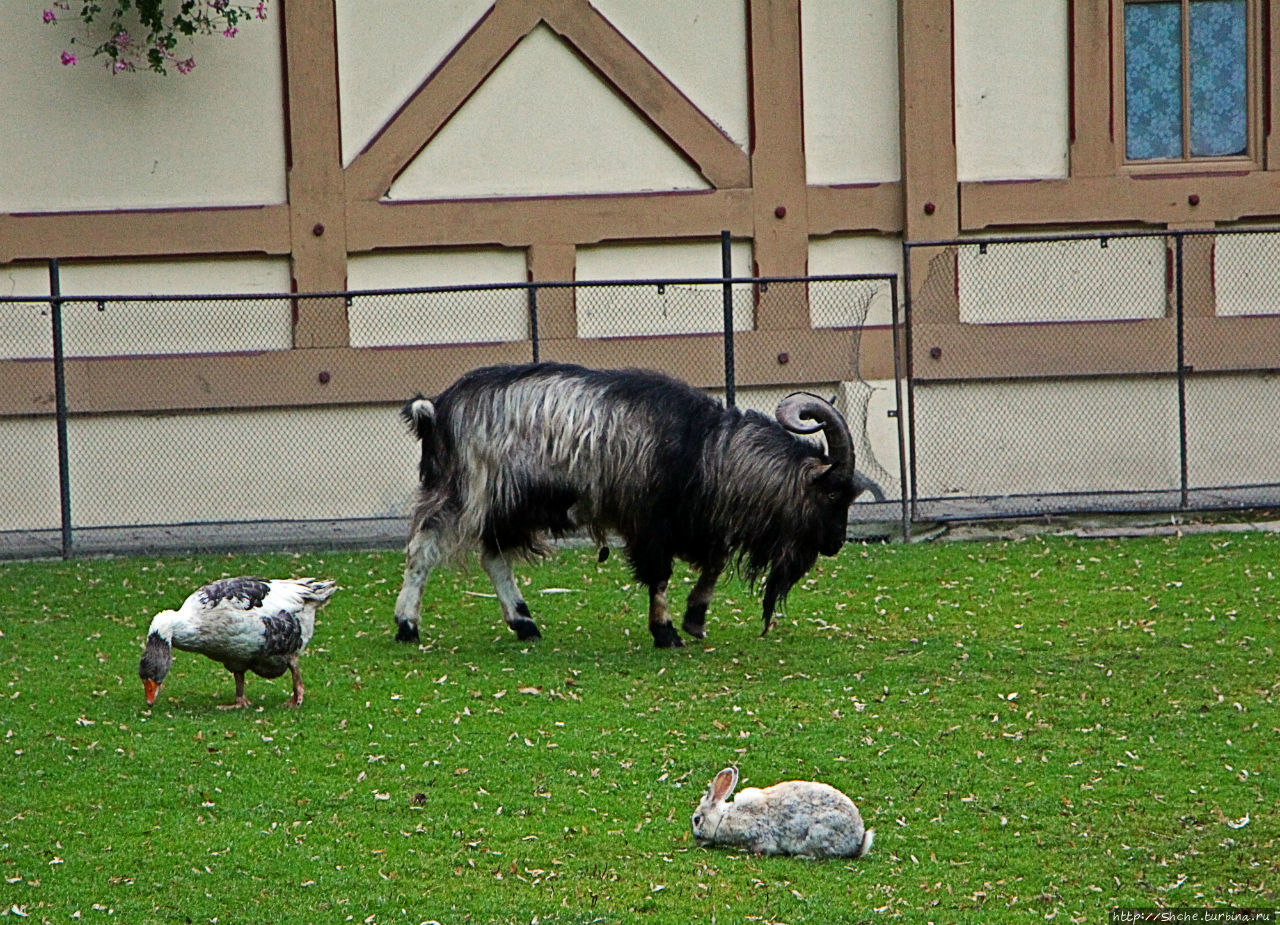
[1000,351]
[269,379]
[1092,142]
[1270,71]
[371,173]
[525,221]
[145,233]
[557,306]
[1229,344]
[931,202]
[928,120]
[781,206]
[714,154]
[355,375]
[872,207]
[1179,200]
[317,214]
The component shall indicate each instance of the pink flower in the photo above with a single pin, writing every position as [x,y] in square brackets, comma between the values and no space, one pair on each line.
[262,9]
[68,58]
[50,16]
[230,32]
[184,67]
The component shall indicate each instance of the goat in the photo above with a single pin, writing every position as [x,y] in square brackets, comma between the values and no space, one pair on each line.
[513,454]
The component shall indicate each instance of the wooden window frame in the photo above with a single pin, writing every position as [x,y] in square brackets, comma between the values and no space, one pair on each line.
[1255,65]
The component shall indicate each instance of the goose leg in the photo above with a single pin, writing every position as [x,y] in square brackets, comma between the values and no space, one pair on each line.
[298,689]
[241,700]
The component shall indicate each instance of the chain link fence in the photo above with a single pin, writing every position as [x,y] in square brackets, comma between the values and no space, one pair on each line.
[1119,372]
[1094,373]
[256,421]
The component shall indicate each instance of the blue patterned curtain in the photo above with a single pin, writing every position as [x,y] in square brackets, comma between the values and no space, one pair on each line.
[1218,104]
[1219,100]
[1153,80]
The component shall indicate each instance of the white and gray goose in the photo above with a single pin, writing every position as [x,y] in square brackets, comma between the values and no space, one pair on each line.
[247,624]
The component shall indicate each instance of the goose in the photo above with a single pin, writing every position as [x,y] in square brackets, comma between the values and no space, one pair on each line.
[247,624]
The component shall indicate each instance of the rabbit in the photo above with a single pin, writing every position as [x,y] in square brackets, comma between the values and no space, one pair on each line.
[799,817]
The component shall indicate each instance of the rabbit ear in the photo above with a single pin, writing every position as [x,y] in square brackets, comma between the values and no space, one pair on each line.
[723,784]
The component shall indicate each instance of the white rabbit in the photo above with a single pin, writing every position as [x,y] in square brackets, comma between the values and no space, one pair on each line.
[800,817]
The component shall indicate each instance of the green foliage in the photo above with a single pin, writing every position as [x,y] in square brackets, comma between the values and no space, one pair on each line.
[147,33]
[1041,729]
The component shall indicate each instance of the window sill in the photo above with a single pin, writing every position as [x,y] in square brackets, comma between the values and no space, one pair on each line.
[1158,200]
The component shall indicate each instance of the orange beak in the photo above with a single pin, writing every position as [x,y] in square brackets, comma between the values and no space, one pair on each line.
[152,688]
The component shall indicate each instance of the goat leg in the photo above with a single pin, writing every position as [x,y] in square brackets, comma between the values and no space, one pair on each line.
[695,611]
[514,609]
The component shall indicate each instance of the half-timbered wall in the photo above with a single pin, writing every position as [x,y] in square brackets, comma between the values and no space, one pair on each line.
[360,145]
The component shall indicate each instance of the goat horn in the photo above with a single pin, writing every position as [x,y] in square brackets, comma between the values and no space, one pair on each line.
[805,413]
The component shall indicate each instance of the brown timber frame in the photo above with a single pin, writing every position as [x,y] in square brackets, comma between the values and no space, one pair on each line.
[759,195]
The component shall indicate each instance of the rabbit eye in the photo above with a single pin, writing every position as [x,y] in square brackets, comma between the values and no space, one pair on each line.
[697,819]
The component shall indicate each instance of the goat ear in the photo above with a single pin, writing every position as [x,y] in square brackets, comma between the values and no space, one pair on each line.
[817,471]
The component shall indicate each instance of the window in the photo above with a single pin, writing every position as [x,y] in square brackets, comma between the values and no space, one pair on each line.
[1190,67]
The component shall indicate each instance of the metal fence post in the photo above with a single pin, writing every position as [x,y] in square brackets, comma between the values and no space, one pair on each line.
[909,371]
[60,403]
[726,270]
[533,320]
[1182,369]
[898,409]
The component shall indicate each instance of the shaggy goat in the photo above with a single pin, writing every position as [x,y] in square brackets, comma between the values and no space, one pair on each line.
[511,454]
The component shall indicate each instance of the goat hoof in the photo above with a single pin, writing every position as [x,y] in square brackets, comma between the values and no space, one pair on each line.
[526,629]
[406,633]
[666,637]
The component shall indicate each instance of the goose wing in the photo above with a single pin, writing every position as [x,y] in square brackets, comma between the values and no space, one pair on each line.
[239,620]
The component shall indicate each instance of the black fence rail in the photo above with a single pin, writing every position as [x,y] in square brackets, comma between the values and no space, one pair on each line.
[139,423]
[1119,372]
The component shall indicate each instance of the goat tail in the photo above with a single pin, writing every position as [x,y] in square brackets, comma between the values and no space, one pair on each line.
[420,415]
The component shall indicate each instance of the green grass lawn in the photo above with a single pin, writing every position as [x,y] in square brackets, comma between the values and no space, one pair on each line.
[1038,730]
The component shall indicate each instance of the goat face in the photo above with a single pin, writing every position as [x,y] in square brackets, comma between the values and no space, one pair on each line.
[830,493]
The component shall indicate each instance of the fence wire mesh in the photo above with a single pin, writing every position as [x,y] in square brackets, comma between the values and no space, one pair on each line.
[1117,373]
[201,422]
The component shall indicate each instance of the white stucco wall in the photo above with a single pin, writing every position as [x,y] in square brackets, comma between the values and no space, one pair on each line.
[1027,437]
[79,138]
[1231,428]
[1088,435]
[840,255]
[446,318]
[700,47]
[1011,89]
[1078,280]
[1244,279]
[544,123]
[385,51]
[29,498]
[163,326]
[850,61]
[678,309]
[300,464]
